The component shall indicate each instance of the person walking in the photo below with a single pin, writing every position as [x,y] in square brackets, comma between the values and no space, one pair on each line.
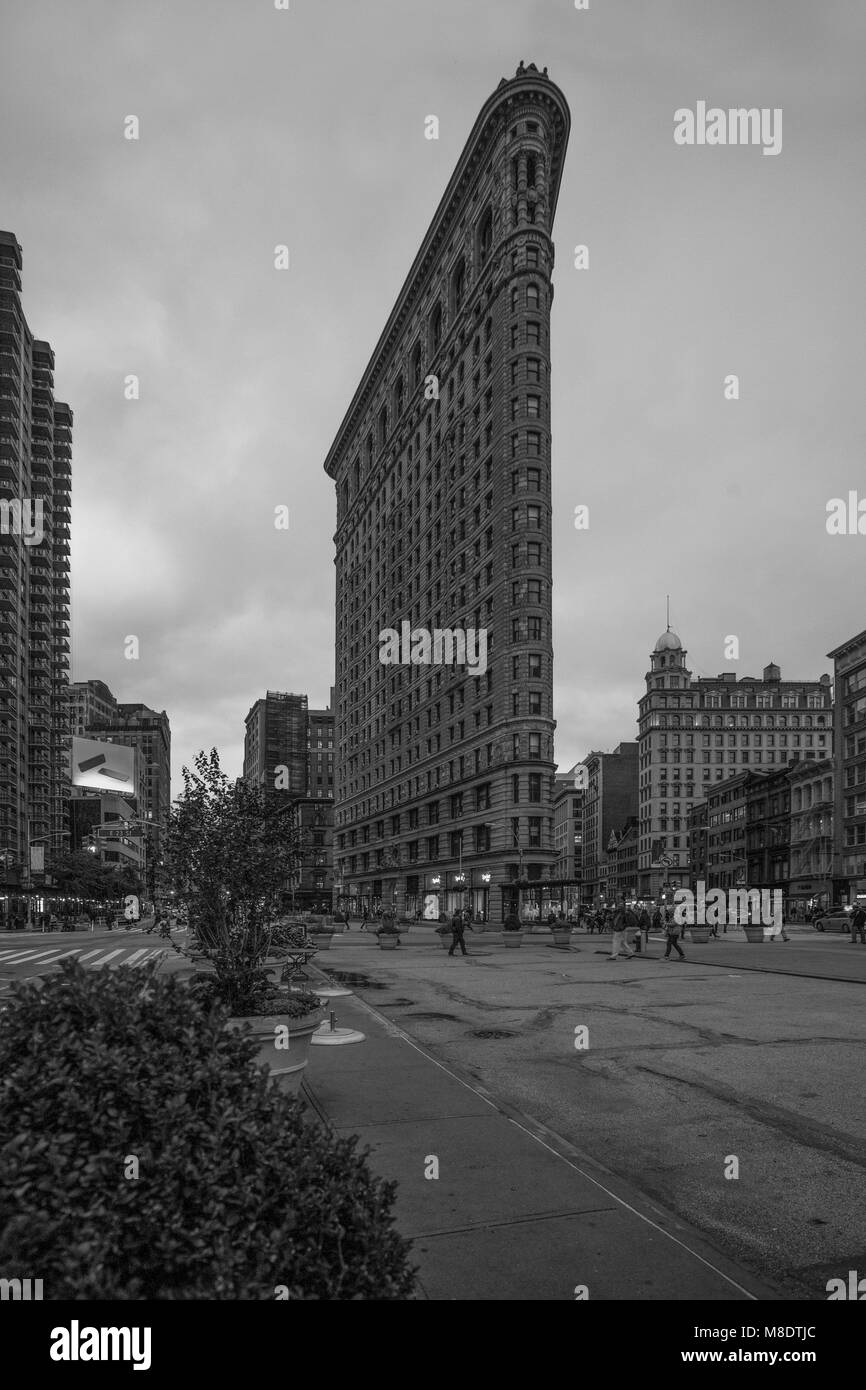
[643,923]
[457,928]
[858,925]
[622,923]
[364,918]
[672,932]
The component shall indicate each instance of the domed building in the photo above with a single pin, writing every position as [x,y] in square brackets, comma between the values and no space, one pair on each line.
[695,734]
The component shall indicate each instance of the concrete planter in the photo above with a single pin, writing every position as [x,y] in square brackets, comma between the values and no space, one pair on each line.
[561,936]
[699,934]
[289,1062]
[754,934]
[512,939]
[322,940]
[388,941]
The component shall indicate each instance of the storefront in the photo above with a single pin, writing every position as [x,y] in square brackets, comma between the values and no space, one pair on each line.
[534,900]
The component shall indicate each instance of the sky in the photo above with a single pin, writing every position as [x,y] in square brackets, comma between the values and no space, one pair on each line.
[304,127]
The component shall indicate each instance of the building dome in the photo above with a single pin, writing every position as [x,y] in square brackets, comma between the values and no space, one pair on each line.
[669,642]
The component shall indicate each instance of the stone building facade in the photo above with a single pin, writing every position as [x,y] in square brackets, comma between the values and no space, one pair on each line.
[696,733]
[444,770]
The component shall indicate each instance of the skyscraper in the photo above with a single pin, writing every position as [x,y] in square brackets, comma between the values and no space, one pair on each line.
[35,479]
[442,471]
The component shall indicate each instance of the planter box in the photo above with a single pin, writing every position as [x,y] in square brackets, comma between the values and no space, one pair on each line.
[561,936]
[388,941]
[512,939]
[754,934]
[699,934]
[289,1062]
[321,940]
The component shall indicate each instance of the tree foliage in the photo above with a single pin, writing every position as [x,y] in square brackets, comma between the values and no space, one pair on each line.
[143,1155]
[232,852]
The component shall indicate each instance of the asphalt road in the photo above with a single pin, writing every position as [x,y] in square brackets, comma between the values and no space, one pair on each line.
[745,1053]
[24,955]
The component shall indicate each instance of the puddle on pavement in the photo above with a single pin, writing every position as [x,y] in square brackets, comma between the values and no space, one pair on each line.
[355,981]
[492,1033]
[450,1018]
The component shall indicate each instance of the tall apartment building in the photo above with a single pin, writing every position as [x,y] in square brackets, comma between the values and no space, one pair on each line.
[568,833]
[610,802]
[442,474]
[90,703]
[320,753]
[289,748]
[275,743]
[147,730]
[849,662]
[35,482]
[93,709]
[695,733]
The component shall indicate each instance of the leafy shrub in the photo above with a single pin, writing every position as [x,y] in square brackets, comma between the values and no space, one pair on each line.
[236,1194]
[512,922]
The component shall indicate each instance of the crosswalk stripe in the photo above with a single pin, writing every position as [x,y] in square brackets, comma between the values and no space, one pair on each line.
[150,955]
[88,954]
[104,960]
[135,955]
[28,956]
[73,952]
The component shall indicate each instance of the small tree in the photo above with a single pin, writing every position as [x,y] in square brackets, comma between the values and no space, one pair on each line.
[231,851]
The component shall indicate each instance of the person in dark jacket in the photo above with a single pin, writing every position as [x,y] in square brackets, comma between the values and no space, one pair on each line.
[672,932]
[858,925]
[457,928]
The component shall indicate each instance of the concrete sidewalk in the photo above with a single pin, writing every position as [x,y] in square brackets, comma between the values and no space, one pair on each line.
[516,1213]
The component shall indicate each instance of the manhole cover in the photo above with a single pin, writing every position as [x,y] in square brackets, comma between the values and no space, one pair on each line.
[451,1018]
[492,1033]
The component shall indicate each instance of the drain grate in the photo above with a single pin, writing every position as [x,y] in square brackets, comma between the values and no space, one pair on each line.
[492,1033]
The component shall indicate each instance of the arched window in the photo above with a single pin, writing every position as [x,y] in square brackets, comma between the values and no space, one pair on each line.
[416,365]
[436,328]
[398,397]
[356,476]
[532,296]
[383,426]
[485,237]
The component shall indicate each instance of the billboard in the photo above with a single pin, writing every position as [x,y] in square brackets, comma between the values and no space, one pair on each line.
[103,766]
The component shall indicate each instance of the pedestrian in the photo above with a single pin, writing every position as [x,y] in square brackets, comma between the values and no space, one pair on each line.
[858,925]
[364,918]
[622,922]
[643,922]
[458,925]
[672,931]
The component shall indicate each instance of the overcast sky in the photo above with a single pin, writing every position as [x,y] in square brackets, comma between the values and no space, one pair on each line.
[306,127]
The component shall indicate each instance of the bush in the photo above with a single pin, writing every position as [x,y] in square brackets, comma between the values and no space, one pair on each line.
[236,1194]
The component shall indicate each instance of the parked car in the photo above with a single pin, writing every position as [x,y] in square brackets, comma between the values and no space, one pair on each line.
[836,919]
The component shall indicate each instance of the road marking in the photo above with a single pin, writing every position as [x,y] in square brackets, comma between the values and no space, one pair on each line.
[88,954]
[131,959]
[29,956]
[105,959]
